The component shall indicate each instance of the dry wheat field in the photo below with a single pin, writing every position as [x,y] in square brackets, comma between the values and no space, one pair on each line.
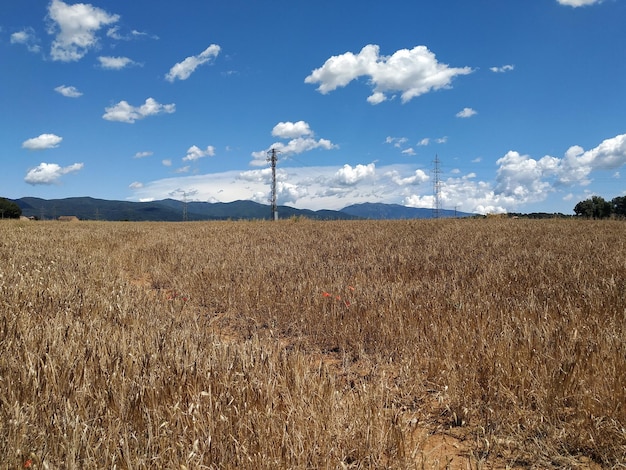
[461,344]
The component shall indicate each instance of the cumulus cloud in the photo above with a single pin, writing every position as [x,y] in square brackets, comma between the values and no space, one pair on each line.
[522,177]
[349,175]
[302,140]
[135,185]
[49,173]
[291,130]
[411,72]
[418,177]
[124,112]
[183,70]
[504,68]
[310,187]
[68,91]
[195,153]
[75,27]
[525,179]
[42,142]
[466,113]
[578,163]
[28,38]
[115,63]
[578,3]
[520,180]
[464,194]
[300,145]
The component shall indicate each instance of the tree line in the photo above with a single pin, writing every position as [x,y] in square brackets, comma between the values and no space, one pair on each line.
[9,210]
[597,207]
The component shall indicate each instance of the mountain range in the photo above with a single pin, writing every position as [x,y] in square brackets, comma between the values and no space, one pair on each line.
[171,210]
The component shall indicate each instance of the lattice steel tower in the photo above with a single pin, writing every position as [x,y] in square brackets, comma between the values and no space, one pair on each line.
[436,188]
[271,157]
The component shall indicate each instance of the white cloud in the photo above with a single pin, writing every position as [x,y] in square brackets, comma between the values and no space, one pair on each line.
[465,195]
[139,34]
[425,141]
[524,178]
[114,33]
[49,173]
[410,151]
[124,112]
[442,140]
[302,140]
[412,72]
[75,27]
[143,154]
[115,63]
[290,130]
[195,153]
[44,141]
[351,175]
[418,177]
[28,38]
[135,185]
[305,187]
[376,98]
[519,180]
[529,180]
[182,70]
[166,162]
[397,142]
[578,163]
[504,68]
[578,3]
[466,113]
[68,91]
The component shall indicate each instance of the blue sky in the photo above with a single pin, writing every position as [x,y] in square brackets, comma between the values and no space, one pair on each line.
[523,102]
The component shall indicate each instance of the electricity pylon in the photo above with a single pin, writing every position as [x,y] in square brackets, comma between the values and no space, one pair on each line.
[436,188]
[271,157]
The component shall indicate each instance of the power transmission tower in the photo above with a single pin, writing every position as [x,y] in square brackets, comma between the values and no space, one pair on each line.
[436,188]
[185,216]
[272,159]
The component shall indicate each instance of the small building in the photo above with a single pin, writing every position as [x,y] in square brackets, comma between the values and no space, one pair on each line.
[68,218]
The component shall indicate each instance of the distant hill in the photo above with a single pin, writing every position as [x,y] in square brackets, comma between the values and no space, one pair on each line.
[172,210]
[369,210]
[168,210]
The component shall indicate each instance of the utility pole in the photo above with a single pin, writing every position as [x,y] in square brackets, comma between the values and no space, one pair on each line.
[436,188]
[185,215]
[272,159]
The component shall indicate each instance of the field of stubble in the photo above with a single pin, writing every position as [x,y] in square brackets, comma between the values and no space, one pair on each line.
[302,344]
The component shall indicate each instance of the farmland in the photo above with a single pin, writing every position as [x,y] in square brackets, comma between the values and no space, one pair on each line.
[306,344]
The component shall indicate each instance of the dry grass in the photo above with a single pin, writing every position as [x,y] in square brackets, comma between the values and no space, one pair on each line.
[300,344]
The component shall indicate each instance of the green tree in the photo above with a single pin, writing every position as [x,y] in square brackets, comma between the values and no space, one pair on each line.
[595,207]
[9,210]
[618,205]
